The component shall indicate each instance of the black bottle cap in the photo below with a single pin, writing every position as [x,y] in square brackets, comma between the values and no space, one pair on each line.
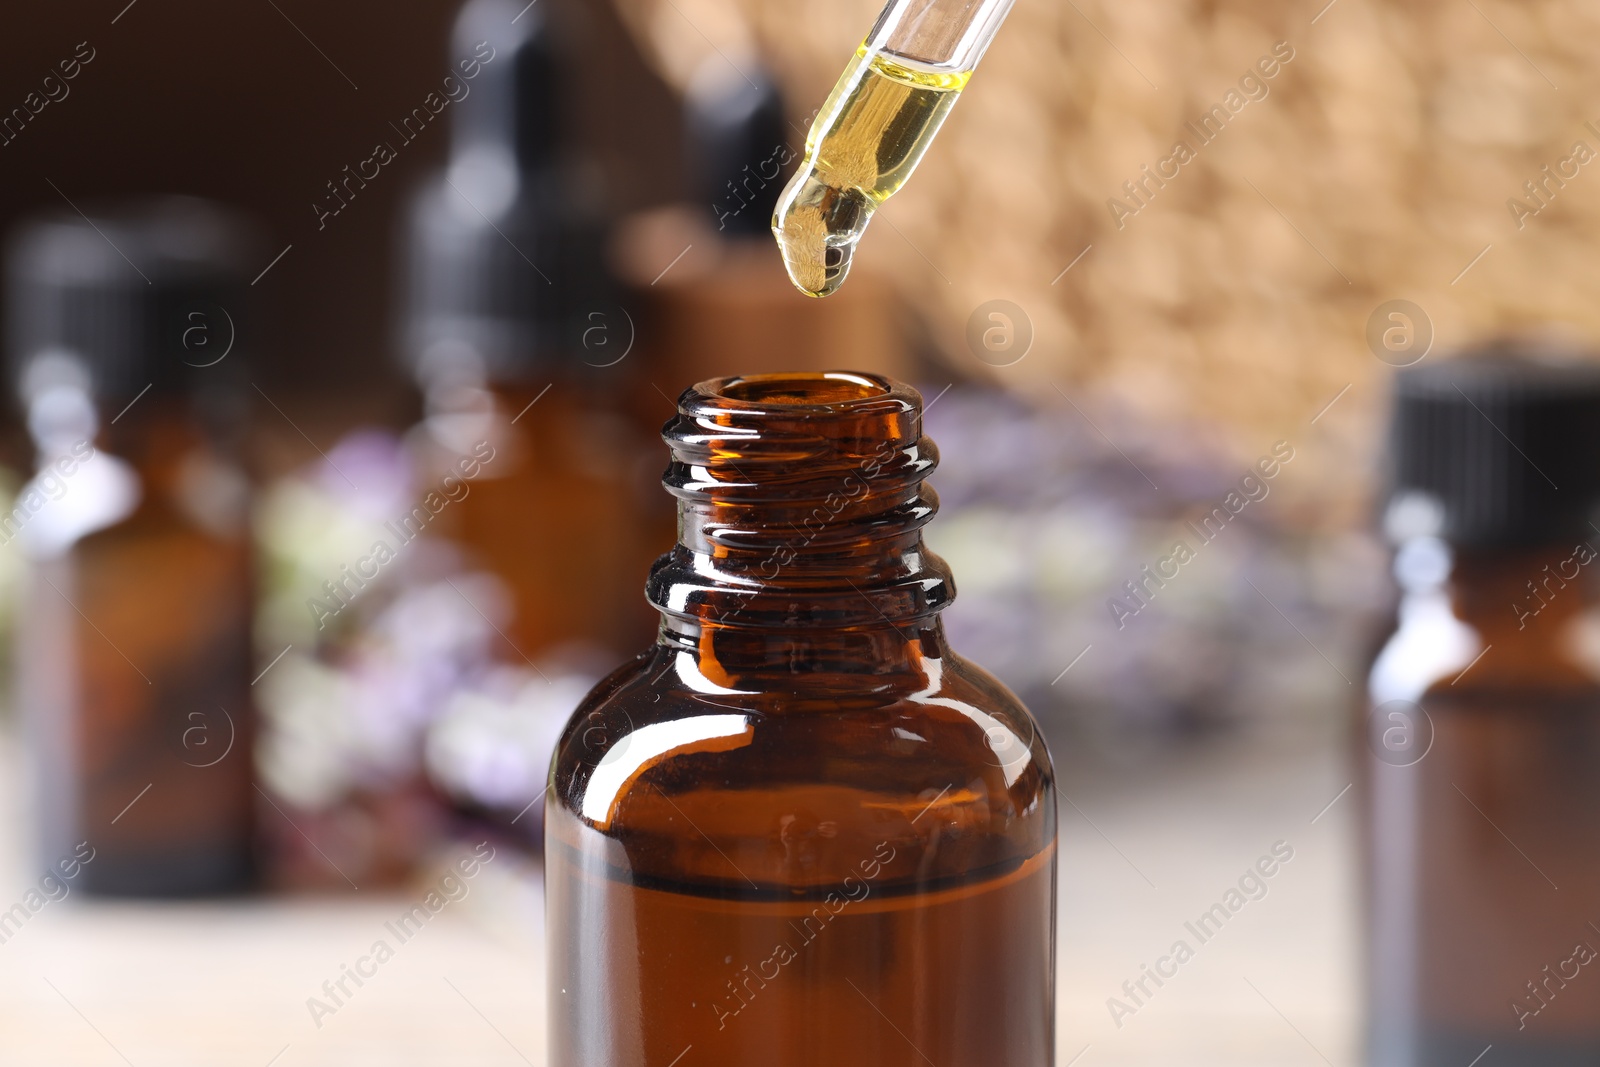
[1499,447]
[738,146]
[148,295]
[504,260]
[514,88]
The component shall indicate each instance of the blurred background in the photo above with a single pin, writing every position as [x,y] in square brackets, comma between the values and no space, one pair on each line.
[418,254]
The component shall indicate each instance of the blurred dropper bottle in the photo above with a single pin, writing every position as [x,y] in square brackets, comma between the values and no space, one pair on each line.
[715,300]
[1482,734]
[519,346]
[126,339]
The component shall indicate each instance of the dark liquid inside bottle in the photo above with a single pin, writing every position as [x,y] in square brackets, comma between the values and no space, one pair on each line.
[1484,884]
[135,679]
[561,442]
[846,974]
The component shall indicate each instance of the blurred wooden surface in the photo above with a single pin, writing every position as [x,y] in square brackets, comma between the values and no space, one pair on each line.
[93,983]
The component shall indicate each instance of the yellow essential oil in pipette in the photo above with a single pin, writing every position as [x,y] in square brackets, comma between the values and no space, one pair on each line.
[868,138]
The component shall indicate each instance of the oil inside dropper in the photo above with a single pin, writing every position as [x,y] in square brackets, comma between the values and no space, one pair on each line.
[870,135]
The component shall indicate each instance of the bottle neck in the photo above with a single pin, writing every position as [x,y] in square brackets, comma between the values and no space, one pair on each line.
[801,504]
[1509,594]
[153,462]
[1510,613]
[876,656]
[153,434]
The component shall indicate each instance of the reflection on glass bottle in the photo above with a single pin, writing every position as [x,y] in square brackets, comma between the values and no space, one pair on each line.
[800,830]
[1483,732]
[134,659]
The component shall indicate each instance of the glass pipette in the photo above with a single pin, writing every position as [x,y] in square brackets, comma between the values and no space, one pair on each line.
[874,129]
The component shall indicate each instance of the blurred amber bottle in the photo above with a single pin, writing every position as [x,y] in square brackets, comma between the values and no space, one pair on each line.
[133,656]
[800,830]
[516,337]
[1482,762]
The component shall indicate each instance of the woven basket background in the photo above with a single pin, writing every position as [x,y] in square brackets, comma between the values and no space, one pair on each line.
[1236,303]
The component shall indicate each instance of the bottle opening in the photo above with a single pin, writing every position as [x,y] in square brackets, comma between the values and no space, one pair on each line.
[800,390]
[801,503]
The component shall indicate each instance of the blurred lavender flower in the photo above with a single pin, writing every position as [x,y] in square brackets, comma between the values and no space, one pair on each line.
[1044,520]
[412,678]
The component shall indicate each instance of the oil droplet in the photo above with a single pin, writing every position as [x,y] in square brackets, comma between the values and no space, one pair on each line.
[868,138]
[817,226]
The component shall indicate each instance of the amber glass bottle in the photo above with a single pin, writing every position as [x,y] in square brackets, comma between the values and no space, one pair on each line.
[1483,732]
[513,331]
[799,830]
[133,656]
